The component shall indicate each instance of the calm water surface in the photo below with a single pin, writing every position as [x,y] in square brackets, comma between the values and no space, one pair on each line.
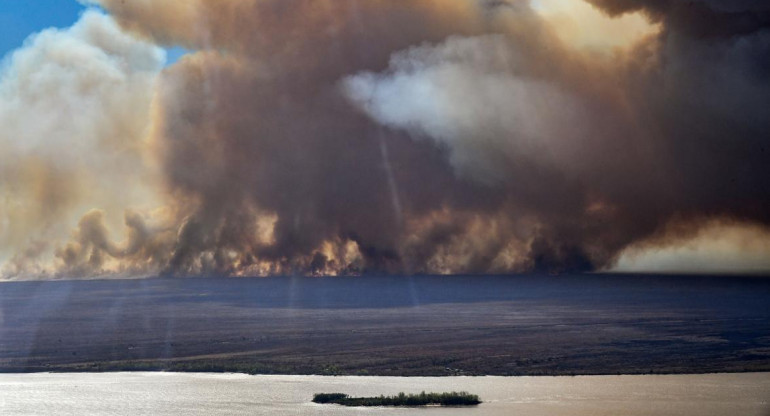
[234,394]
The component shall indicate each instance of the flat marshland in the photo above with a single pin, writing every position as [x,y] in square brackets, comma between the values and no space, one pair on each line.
[390,326]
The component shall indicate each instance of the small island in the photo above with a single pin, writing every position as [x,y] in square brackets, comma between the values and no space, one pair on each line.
[422,399]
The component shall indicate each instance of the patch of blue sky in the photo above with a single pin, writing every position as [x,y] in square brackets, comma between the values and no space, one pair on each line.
[21,18]
[174,54]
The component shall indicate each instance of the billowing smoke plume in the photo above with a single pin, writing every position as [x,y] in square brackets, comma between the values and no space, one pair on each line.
[74,111]
[377,136]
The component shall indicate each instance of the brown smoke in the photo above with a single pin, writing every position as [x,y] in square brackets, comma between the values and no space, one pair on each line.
[437,136]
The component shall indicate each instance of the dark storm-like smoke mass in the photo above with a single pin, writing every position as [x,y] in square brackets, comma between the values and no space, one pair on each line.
[433,136]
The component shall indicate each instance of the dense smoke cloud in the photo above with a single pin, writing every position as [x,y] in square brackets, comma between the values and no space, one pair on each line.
[452,136]
[74,110]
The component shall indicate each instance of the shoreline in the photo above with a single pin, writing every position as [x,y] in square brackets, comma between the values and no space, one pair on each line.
[426,375]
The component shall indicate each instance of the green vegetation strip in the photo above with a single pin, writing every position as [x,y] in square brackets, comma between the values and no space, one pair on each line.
[422,399]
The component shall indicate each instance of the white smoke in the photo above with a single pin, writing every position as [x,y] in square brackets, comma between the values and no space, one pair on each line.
[75,110]
[470,95]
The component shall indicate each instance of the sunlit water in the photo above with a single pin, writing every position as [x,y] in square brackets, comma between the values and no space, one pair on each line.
[234,394]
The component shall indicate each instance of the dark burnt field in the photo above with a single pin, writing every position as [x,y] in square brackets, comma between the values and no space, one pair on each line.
[501,325]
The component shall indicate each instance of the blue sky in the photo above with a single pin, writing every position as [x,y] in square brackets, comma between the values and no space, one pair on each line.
[21,18]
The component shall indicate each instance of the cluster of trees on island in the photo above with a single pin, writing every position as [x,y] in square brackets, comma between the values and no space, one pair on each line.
[423,399]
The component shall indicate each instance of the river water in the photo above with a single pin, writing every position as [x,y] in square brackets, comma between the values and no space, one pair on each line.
[234,394]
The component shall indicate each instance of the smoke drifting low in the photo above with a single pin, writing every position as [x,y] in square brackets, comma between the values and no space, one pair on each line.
[347,137]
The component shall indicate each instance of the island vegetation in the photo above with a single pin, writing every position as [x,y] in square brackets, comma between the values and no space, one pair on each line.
[402,399]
